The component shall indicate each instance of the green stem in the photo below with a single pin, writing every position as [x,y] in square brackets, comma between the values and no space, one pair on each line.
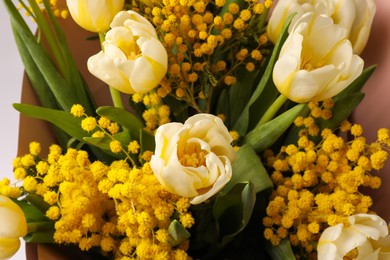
[116,97]
[263,19]
[272,110]
[115,94]
[33,227]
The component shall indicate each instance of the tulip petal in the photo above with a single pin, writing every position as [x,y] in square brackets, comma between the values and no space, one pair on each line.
[153,49]
[8,247]
[13,215]
[104,68]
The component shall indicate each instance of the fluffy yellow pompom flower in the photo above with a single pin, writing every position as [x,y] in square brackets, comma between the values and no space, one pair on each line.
[94,16]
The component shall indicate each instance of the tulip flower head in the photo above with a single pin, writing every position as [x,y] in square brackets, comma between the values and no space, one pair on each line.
[355,16]
[94,16]
[133,60]
[316,61]
[13,225]
[193,159]
[365,232]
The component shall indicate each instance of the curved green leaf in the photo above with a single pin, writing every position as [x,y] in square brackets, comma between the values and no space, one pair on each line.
[232,211]
[178,233]
[265,135]
[124,118]
[242,123]
[64,120]
[249,168]
[283,251]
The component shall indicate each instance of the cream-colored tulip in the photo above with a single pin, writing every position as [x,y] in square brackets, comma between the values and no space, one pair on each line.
[316,61]
[194,159]
[355,16]
[133,60]
[361,28]
[94,16]
[13,225]
[361,233]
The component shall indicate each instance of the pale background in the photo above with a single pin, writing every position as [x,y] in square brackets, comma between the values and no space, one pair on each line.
[11,73]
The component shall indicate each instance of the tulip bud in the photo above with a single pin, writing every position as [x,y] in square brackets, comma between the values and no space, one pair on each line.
[13,225]
[94,16]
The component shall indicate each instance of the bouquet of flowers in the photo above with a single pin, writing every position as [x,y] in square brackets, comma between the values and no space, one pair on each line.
[226,137]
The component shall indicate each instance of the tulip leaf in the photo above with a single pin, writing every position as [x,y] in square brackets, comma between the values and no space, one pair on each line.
[40,228]
[342,109]
[41,89]
[232,211]
[232,100]
[265,135]
[147,141]
[62,119]
[283,251]
[103,143]
[178,233]
[357,84]
[66,94]
[32,213]
[249,168]
[40,236]
[124,118]
[242,124]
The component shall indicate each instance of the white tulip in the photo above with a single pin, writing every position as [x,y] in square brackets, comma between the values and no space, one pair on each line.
[361,28]
[336,241]
[133,60]
[13,226]
[316,61]
[355,16]
[94,16]
[194,159]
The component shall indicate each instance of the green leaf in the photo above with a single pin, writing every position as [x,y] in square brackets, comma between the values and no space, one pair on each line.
[232,211]
[342,109]
[40,237]
[246,117]
[40,229]
[283,251]
[264,135]
[103,143]
[124,118]
[249,168]
[38,202]
[64,120]
[147,141]
[357,84]
[32,213]
[178,233]
[41,89]
[232,100]
[65,93]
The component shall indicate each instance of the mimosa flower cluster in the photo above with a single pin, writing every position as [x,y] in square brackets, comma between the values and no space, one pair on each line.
[122,210]
[317,184]
[204,40]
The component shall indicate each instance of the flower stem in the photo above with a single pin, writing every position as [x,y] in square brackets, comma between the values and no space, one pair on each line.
[115,94]
[272,110]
